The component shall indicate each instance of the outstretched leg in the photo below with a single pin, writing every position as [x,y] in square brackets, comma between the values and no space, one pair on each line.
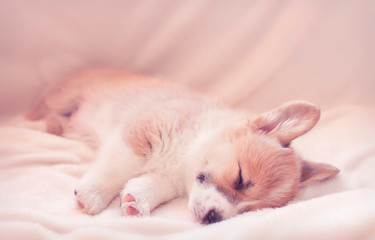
[143,194]
[115,165]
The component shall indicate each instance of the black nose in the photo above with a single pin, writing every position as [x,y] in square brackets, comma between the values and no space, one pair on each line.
[212,217]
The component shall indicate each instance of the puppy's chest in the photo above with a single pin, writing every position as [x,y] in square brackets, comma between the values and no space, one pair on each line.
[157,130]
[162,132]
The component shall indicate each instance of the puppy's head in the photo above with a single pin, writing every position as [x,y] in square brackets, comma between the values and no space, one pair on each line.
[252,166]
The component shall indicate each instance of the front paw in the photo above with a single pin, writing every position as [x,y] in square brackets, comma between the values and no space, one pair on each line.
[133,206]
[89,200]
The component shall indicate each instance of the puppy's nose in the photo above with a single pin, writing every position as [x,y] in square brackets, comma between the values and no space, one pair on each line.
[212,217]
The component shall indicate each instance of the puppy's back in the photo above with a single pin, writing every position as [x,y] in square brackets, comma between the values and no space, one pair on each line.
[98,87]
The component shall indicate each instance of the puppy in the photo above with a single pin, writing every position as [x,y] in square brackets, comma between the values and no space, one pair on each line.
[156,141]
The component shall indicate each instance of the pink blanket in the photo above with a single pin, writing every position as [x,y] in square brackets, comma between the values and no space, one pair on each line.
[252,55]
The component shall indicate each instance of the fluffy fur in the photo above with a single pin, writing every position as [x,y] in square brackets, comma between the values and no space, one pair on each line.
[156,141]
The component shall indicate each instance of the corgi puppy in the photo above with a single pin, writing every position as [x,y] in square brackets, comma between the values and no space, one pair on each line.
[155,141]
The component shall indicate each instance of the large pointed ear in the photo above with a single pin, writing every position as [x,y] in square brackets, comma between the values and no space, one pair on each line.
[316,172]
[288,121]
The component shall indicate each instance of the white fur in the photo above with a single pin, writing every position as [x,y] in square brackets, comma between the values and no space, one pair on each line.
[205,198]
[168,173]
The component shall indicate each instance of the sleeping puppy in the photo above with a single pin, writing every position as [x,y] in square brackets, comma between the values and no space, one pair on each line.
[156,141]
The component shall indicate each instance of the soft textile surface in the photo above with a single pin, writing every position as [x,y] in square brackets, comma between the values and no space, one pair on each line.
[248,54]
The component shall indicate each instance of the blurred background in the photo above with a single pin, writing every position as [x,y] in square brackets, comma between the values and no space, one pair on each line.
[249,54]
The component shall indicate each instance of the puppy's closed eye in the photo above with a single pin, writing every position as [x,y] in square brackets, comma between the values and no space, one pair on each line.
[239,184]
[201,178]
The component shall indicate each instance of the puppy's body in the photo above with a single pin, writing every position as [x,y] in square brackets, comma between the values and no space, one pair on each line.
[156,141]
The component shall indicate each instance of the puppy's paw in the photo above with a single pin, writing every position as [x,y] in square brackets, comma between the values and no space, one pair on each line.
[133,206]
[89,200]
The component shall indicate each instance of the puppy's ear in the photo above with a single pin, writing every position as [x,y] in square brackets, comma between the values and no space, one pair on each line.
[288,121]
[315,172]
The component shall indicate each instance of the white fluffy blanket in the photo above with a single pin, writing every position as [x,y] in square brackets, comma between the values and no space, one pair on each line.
[39,172]
[249,54]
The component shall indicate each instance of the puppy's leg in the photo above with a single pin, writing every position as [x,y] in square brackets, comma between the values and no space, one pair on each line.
[143,194]
[115,165]
[55,108]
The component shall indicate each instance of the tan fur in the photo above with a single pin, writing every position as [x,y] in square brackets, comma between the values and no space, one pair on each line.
[266,167]
[157,141]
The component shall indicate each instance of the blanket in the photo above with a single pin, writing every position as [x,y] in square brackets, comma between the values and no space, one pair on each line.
[251,55]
